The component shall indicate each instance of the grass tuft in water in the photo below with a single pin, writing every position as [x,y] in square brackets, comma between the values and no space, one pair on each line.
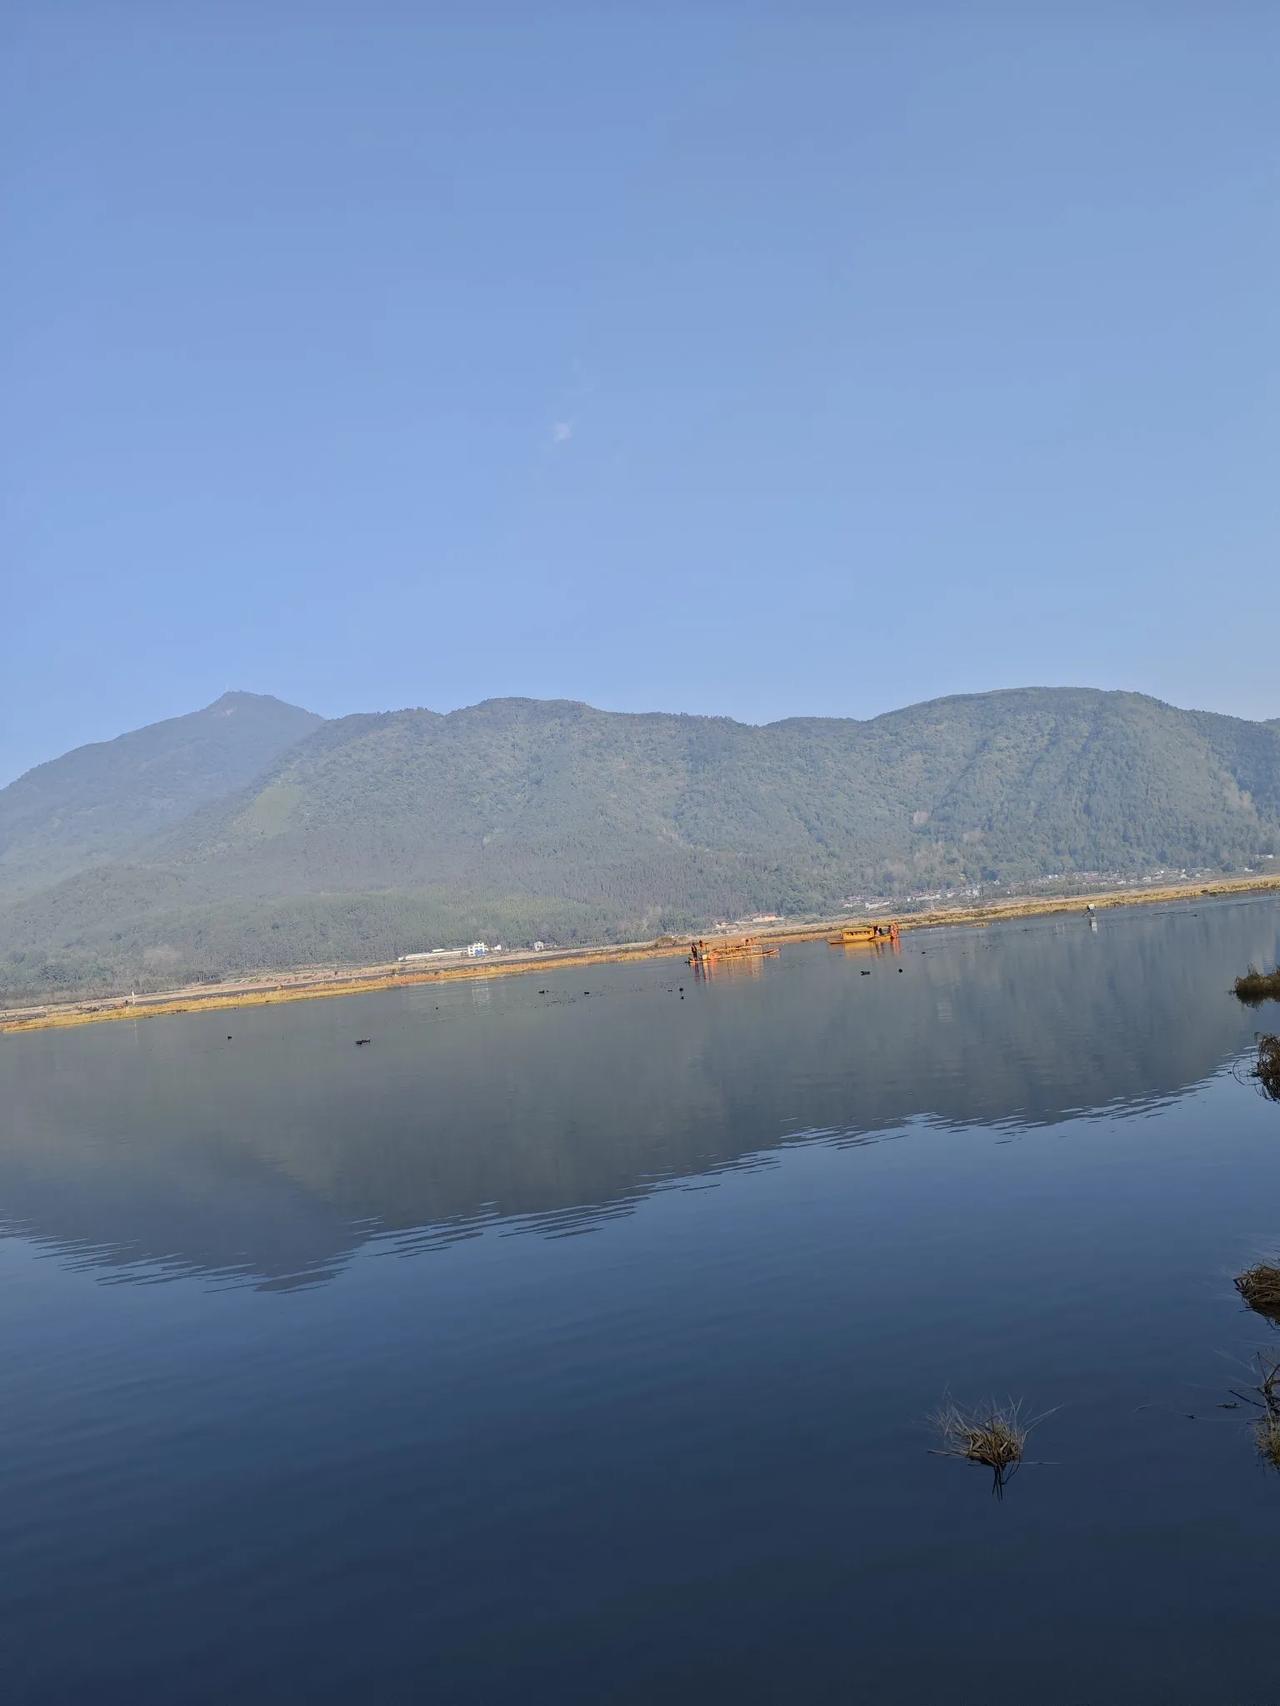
[1258,986]
[1267,1069]
[1260,1288]
[994,1435]
[1266,1435]
[1266,1430]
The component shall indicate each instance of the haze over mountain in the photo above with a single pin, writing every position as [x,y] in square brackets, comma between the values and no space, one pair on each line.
[253,834]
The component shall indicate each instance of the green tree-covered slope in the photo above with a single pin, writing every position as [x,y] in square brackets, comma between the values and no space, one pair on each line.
[380,834]
[97,801]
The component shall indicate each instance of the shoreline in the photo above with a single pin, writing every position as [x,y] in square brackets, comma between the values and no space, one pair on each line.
[315,983]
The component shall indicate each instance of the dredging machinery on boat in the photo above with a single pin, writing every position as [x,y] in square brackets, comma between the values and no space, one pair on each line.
[704,953]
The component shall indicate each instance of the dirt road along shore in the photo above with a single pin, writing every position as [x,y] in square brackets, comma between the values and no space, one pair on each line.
[311,983]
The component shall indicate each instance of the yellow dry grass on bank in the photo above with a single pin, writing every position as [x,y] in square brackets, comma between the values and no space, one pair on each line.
[363,982]
[307,986]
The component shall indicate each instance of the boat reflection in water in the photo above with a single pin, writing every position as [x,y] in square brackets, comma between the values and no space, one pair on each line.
[860,950]
[709,966]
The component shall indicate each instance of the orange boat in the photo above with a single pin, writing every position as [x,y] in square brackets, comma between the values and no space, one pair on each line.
[702,952]
[866,935]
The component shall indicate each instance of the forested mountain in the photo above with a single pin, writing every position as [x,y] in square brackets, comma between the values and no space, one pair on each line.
[100,799]
[379,834]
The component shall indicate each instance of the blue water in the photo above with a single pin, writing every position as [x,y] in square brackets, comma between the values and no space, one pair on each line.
[579,1345]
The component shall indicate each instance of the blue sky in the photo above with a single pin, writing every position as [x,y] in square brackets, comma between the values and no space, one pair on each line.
[714,357]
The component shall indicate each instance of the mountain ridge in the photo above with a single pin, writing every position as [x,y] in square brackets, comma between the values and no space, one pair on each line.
[382,832]
[105,796]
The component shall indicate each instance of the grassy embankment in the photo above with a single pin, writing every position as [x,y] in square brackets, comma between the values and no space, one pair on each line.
[312,983]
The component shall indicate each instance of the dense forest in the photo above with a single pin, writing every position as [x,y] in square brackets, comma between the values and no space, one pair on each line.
[158,860]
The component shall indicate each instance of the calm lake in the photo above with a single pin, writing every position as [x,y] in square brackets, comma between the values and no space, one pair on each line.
[575,1340]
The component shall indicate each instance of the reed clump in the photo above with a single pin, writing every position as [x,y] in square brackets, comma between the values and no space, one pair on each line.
[1266,1436]
[1267,1067]
[1260,1288]
[1265,1399]
[994,1435]
[1258,986]
[1266,1430]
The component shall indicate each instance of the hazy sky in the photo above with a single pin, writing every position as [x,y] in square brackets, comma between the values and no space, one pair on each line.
[718,357]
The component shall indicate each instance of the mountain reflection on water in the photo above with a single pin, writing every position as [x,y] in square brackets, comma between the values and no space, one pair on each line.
[549,1105]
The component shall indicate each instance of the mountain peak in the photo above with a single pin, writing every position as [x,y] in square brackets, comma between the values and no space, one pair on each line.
[98,799]
[237,698]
